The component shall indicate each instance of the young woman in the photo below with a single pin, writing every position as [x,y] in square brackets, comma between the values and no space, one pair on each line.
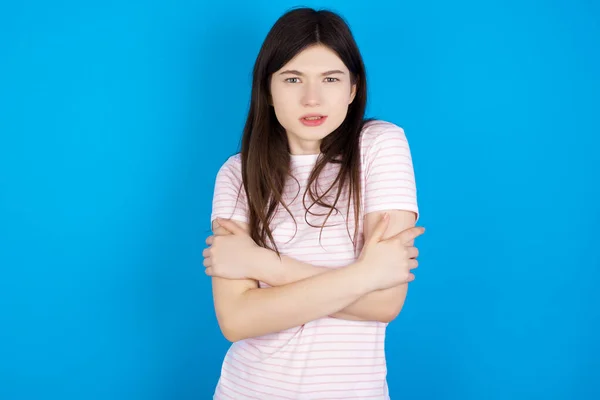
[314,223]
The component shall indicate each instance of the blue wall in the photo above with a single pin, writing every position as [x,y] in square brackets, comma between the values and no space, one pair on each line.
[114,119]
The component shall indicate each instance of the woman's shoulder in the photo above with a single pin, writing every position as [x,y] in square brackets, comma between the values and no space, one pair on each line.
[231,168]
[233,162]
[377,132]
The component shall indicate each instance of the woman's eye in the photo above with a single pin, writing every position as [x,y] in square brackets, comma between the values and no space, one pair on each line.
[296,80]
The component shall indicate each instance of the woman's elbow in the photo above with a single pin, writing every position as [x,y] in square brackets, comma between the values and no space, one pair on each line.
[391,311]
[389,314]
[229,330]
[233,328]
[231,336]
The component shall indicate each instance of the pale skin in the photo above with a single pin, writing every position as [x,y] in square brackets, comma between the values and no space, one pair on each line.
[315,81]
[374,287]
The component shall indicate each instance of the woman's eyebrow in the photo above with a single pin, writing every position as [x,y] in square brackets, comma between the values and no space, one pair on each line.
[296,72]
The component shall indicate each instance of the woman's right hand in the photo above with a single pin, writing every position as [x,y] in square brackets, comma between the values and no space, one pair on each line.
[388,262]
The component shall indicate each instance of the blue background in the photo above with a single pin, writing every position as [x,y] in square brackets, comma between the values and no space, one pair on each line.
[115,117]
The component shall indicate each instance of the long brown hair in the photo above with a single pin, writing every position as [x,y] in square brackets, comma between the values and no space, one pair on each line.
[265,150]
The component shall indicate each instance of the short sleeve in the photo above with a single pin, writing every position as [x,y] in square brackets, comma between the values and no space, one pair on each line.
[229,198]
[389,178]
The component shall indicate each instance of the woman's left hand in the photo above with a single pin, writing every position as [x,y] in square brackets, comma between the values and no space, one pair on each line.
[231,255]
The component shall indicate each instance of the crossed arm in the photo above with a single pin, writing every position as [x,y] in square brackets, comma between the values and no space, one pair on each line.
[377,305]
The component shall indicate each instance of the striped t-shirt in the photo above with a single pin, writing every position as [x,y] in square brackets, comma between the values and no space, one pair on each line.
[327,358]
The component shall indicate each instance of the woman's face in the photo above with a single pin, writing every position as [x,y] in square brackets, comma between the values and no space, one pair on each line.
[314,83]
